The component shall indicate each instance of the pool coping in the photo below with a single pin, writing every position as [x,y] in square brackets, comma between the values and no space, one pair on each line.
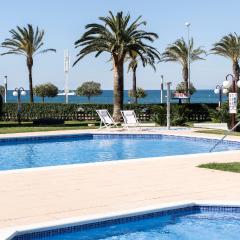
[53,136]
[10,233]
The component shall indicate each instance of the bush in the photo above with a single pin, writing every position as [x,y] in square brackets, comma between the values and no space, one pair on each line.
[89,89]
[48,121]
[220,115]
[45,90]
[158,114]
[181,88]
[140,93]
[1,104]
[179,115]
[146,112]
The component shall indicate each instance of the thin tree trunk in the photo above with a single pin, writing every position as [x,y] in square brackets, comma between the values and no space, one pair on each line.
[89,99]
[29,65]
[185,78]
[43,99]
[236,70]
[118,89]
[134,88]
[236,75]
[235,89]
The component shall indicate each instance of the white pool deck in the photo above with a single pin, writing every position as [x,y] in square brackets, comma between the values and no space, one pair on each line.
[48,194]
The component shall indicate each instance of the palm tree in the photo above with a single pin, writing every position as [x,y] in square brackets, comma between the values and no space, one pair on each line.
[133,64]
[118,37]
[27,42]
[229,47]
[178,52]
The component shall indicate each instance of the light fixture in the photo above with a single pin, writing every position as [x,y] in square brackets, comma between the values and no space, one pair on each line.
[187,24]
[23,93]
[15,93]
[216,90]
[225,91]
[238,83]
[226,84]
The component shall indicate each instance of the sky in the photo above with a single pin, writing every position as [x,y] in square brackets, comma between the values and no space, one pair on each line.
[64,20]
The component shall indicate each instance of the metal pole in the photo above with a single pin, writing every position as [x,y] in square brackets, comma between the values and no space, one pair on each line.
[233,120]
[162,89]
[66,70]
[5,91]
[189,56]
[220,97]
[168,106]
[19,106]
[66,88]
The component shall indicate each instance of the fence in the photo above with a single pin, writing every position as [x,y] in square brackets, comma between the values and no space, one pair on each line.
[85,112]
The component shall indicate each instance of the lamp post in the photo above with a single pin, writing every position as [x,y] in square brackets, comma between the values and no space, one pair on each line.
[66,70]
[187,24]
[220,90]
[161,88]
[168,105]
[18,92]
[5,89]
[233,83]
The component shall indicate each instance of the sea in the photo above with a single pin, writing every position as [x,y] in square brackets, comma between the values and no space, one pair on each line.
[153,96]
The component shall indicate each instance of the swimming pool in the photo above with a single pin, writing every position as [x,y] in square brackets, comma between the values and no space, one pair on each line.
[195,222]
[30,152]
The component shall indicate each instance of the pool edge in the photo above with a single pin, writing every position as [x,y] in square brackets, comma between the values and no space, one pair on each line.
[10,233]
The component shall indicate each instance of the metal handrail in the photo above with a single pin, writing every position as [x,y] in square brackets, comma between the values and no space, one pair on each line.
[220,140]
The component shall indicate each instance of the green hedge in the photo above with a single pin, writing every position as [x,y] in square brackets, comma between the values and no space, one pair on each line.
[1,104]
[192,112]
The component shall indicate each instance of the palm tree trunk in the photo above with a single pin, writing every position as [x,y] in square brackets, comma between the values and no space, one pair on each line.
[134,88]
[235,89]
[30,65]
[185,78]
[235,70]
[118,89]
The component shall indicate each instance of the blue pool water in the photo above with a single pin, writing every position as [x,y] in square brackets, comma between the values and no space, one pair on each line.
[51,151]
[194,224]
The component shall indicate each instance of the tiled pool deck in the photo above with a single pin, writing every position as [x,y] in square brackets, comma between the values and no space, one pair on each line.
[48,194]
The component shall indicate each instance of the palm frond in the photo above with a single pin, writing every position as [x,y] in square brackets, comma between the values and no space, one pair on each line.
[25,41]
[117,36]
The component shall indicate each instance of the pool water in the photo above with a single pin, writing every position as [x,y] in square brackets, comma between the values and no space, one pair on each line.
[30,153]
[189,226]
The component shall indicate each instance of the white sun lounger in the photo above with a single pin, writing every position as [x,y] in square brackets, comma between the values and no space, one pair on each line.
[106,119]
[130,119]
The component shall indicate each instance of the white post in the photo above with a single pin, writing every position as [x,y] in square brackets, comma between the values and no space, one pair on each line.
[168,105]
[66,70]
[189,60]
[162,89]
[5,89]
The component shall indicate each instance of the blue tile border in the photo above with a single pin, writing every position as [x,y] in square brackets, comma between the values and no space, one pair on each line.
[173,212]
[83,136]
[38,139]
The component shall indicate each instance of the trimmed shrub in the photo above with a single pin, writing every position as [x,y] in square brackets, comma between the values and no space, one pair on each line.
[145,112]
[48,121]
[1,104]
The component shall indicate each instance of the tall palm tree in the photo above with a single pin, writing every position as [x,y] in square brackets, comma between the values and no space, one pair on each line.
[133,65]
[229,47]
[118,37]
[27,42]
[178,52]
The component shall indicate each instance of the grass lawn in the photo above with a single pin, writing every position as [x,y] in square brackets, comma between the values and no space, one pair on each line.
[13,127]
[229,167]
[218,131]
